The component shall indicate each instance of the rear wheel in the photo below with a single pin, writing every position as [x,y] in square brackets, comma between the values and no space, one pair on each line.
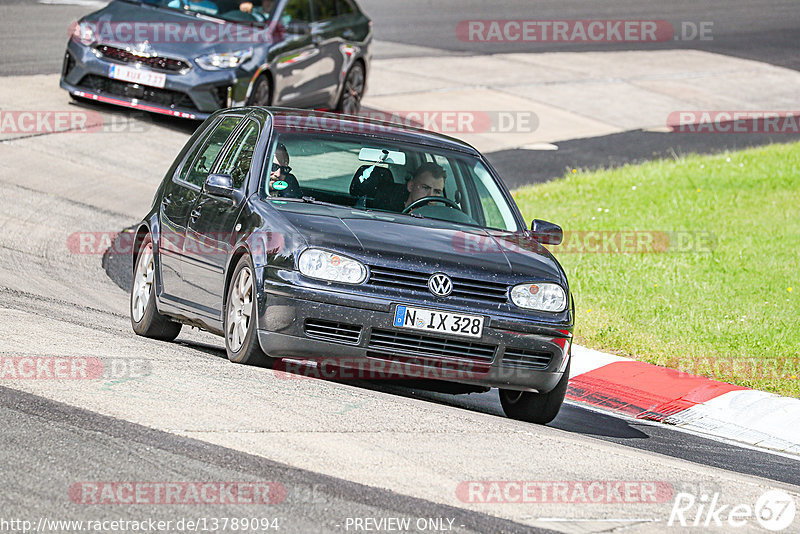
[145,319]
[540,408]
[353,91]
[241,309]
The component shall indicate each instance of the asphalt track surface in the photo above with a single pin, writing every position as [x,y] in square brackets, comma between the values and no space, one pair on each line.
[175,424]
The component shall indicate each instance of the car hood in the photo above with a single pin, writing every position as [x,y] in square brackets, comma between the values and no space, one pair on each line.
[425,245]
[197,36]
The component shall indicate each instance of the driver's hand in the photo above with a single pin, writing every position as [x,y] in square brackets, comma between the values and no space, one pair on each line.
[246,7]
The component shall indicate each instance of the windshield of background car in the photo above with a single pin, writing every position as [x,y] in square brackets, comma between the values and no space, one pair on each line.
[344,171]
[233,10]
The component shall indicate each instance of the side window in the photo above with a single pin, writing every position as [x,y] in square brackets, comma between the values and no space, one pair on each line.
[344,7]
[296,11]
[324,9]
[190,157]
[238,159]
[209,151]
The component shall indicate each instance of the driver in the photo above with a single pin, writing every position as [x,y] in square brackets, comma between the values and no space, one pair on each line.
[427,181]
[282,183]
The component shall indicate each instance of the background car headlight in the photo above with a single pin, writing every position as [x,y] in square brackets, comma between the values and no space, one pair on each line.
[544,297]
[316,263]
[228,60]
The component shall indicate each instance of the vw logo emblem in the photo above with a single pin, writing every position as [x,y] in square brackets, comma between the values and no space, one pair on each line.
[440,284]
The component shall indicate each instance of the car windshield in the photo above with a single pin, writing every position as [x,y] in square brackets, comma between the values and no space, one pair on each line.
[382,175]
[232,10]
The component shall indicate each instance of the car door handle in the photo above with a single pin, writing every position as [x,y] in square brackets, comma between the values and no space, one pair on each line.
[348,34]
[194,215]
[166,201]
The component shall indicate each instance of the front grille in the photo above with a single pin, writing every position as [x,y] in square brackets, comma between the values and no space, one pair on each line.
[526,359]
[430,347]
[164,97]
[164,64]
[332,331]
[462,287]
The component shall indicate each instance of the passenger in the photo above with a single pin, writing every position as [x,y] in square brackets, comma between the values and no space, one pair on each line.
[427,181]
[261,12]
[282,183]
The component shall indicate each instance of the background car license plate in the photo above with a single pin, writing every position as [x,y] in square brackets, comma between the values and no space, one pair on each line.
[438,322]
[144,77]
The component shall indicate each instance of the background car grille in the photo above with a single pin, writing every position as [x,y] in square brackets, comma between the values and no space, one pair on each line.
[332,331]
[164,64]
[165,97]
[429,346]
[526,359]
[462,287]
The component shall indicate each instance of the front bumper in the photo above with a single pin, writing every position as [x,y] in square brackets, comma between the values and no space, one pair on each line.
[195,94]
[289,327]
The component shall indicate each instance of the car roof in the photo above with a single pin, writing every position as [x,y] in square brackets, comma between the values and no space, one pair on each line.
[298,120]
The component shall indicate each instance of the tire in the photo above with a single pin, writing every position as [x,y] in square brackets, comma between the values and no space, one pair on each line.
[539,408]
[145,319]
[241,311]
[352,90]
[262,92]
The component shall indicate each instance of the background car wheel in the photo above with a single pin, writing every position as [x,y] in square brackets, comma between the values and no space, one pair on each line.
[145,319]
[241,338]
[353,91]
[262,92]
[540,408]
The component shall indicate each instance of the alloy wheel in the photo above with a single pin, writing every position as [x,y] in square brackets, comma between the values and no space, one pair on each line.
[240,306]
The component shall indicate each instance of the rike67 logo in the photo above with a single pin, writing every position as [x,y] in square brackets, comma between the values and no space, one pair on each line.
[774,511]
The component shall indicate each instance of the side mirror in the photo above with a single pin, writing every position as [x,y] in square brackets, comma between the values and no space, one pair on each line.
[298,28]
[220,185]
[546,232]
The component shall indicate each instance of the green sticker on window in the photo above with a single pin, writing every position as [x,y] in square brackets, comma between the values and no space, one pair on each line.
[280,185]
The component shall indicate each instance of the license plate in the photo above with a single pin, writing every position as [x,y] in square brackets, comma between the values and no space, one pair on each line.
[438,322]
[140,76]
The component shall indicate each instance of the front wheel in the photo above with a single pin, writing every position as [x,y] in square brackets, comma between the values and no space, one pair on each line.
[353,91]
[262,92]
[145,319]
[540,408]
[241,310]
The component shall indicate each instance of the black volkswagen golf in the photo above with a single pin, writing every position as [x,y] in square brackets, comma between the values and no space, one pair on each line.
[360,245]
[189,58]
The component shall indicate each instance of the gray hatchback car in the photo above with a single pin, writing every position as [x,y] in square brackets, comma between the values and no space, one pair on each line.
[189,58]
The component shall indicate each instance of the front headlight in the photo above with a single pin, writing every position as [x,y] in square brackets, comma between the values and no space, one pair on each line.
[324,265]
[83,32]
[228,60]
[545,297]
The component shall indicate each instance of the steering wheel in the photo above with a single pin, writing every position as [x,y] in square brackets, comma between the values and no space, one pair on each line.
[427,200]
